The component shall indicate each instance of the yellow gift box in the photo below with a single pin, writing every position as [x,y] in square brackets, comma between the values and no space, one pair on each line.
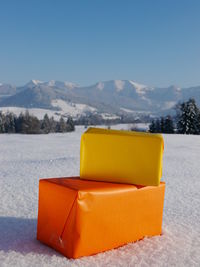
[121,156]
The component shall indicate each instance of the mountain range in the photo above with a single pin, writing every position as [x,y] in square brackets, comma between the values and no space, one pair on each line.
[108,97]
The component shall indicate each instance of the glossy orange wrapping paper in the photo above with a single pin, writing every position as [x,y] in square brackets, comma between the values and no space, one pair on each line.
[80,217]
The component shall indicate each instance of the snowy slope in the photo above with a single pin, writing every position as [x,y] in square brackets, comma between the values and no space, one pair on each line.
[38,112]
[23,159]
[66,109]
[72,109]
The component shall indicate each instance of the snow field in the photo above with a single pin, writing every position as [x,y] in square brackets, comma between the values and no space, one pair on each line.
[25,158]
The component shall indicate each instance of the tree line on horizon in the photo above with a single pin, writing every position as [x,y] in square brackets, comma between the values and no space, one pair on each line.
[186,121]
[26,123]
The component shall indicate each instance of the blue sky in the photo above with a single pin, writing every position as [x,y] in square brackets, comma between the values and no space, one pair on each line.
[155,42]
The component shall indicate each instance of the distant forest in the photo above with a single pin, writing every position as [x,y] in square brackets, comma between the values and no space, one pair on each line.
[186,121]
[26,123]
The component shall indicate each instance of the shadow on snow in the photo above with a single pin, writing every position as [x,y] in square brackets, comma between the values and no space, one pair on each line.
[19,234]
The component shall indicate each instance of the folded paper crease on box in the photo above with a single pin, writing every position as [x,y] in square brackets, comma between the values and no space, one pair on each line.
[97,216]
[81,217]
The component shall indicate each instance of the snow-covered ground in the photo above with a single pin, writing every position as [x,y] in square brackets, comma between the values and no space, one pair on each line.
[72,109]
[38,112]
[66,109]
[25,158]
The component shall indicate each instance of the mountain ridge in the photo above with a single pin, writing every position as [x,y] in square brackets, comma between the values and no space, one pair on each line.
[113,96]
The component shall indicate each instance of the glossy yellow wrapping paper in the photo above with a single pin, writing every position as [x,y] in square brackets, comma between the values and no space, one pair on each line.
[121,156]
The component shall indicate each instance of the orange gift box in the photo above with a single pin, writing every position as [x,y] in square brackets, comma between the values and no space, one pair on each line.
[80,217]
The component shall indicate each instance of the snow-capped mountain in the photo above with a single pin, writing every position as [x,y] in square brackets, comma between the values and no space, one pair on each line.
[7,90]
[112,97]
[68,85]
[51,83]
[33,83]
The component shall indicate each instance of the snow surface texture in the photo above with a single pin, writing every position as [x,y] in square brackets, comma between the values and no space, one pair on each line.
[25,158]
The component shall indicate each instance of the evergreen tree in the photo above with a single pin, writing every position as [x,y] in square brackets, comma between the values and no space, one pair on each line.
[152,127]
[70,125]
[188,118]
[162,125]
[52,125]
[34,126]
[168,125]
[18,123]
[9,124]
[27,124]
[46,124]
[198,122]
[158,126]
[2,123]
[61,126]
